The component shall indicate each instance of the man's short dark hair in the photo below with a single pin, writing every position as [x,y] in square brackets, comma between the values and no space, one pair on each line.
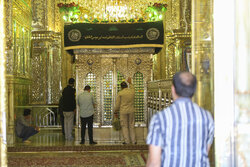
[184,84]
[71,81]
[26,112]
[87,87]
[124,85]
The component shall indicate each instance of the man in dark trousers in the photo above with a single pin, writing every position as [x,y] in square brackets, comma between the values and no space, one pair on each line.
[69,107]
[60,108]
[86,103]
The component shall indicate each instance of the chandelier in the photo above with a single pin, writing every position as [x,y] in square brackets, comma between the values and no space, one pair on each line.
[112,11]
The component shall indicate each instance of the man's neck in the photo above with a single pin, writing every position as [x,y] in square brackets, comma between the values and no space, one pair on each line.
[26,117]
[175,97]
[180,97]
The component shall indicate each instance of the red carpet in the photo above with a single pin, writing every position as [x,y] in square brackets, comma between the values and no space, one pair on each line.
[78,159]
[77,148]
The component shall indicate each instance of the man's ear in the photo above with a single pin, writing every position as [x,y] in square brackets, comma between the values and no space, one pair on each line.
[172,89]
[174,95]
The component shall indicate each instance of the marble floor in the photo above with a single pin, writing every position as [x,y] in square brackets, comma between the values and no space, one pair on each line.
[54,137]
[49,149]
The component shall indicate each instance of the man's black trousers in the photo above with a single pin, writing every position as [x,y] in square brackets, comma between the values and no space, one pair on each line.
[87,121]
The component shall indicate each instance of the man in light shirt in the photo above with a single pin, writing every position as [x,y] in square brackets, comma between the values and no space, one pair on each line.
[125,104]
[86,103]
[181,135]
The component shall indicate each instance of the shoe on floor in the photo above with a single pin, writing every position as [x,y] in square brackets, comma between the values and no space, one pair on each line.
[27,141]
[93,142]
[70,139]
[82,142]
[124,143]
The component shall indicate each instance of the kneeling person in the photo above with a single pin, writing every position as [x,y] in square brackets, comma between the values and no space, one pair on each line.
[23,129]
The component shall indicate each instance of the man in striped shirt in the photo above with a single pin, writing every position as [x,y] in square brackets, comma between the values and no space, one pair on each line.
[181,135]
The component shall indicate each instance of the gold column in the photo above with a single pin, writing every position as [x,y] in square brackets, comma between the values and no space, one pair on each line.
[47,53]
[178,35]
[156,73]
[162,55]
[67,66]
[202,51]
[178,42]
[159,60]
[170,58]
[202,56]
[159,65]
[17,39]
[3,142]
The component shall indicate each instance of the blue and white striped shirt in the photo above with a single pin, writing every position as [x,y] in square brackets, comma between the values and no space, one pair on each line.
[183,131]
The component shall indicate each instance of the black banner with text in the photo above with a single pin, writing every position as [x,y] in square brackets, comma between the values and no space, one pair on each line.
[134,35]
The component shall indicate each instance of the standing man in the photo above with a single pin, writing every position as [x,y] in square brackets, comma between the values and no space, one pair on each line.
[69,106]
[125,104]
[87,104]
[181,135]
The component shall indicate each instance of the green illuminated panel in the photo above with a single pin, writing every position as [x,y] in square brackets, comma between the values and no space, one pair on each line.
[107,97]
[139,97]
[91,81]
[120,79]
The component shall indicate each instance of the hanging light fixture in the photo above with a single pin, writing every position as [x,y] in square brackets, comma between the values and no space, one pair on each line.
[112,11]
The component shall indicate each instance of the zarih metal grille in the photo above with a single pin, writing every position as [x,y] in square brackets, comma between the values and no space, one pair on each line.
[91,81]
[120,79]
[107,97]
[139,97]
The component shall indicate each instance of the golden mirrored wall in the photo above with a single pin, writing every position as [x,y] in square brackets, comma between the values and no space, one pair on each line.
[107,72]
[3,100]
[203,56]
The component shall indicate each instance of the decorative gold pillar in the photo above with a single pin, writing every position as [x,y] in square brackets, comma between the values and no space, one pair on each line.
[179,41]
[46,53]
[170,58]
[159,60]
[10,114]
[202,56]
[178,36]
[202,51]
[17,29]
[46,65]
[156,71]
[3,109]
[159,65]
